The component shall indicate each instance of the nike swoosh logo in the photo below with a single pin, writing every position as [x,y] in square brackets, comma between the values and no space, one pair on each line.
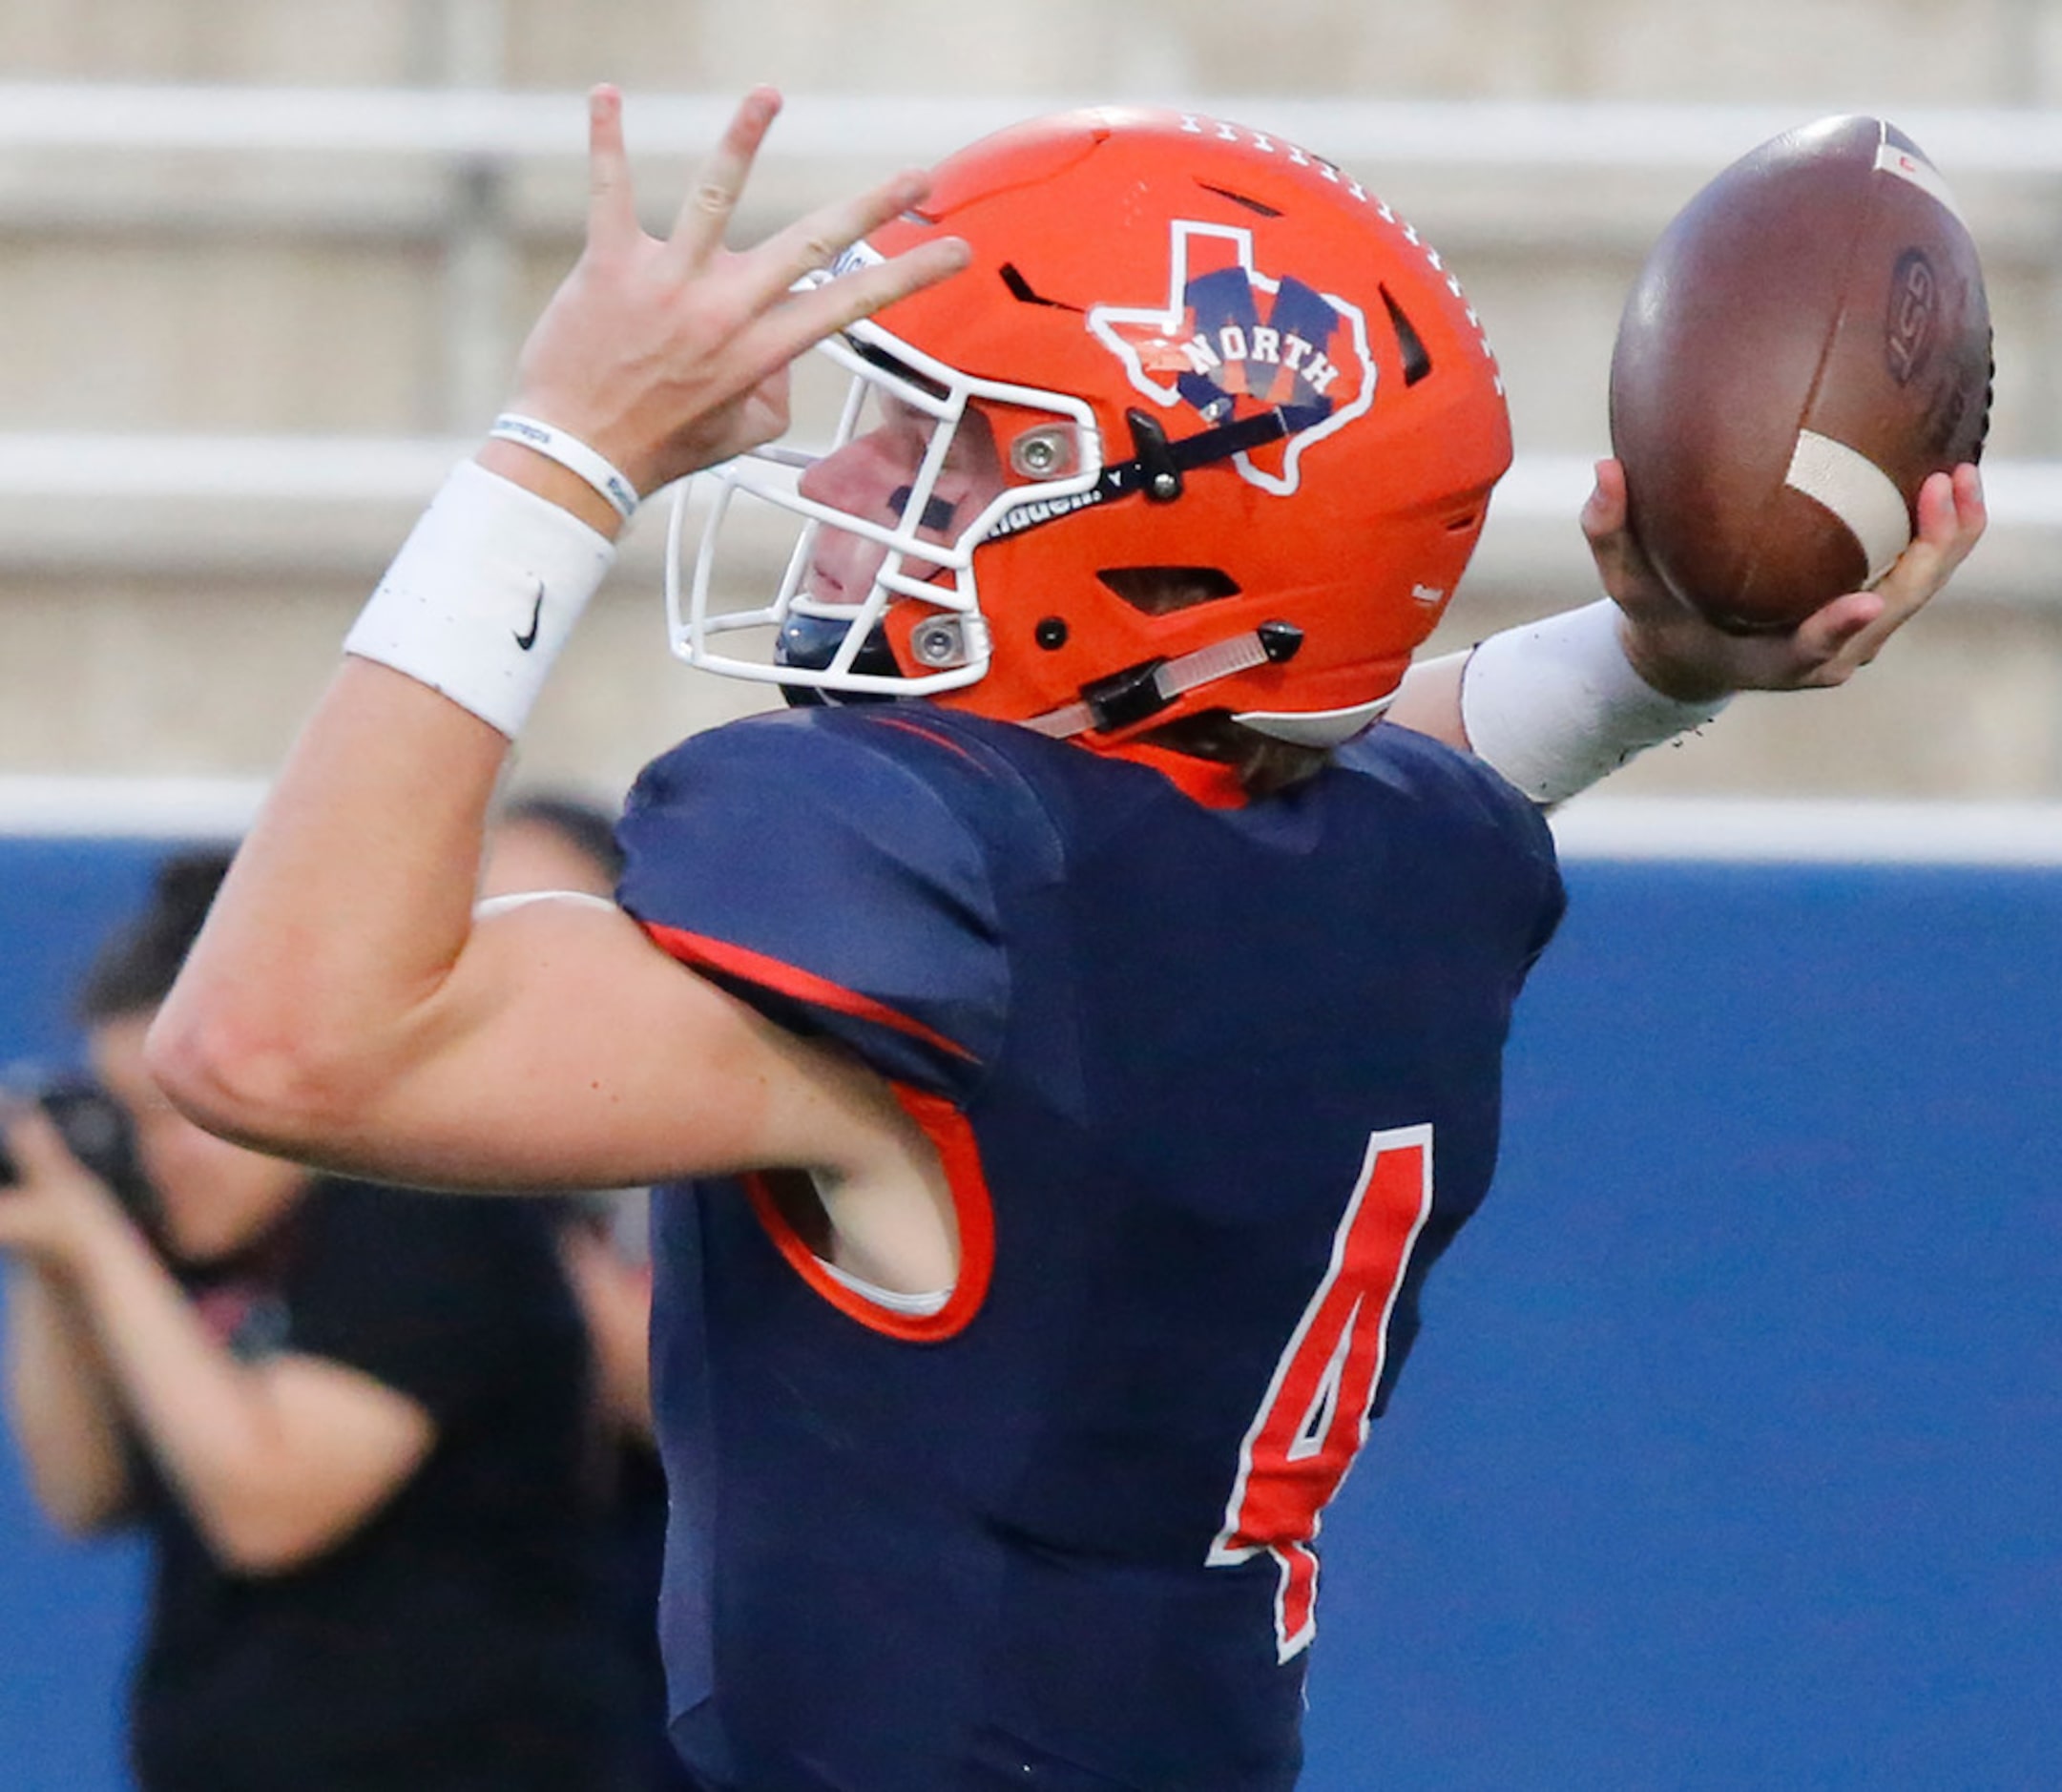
[536,612]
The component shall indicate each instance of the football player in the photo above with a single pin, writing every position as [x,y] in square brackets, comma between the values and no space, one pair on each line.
[1070,1034]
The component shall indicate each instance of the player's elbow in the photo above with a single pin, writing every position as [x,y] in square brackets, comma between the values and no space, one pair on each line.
[269,1084]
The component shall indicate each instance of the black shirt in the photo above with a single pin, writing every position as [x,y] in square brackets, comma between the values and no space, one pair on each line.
[457,1639]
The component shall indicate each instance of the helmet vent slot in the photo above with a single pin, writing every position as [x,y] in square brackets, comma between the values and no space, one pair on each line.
[1160,591]
[1241,198]
[1021,290]
[874,355]
[1417,359]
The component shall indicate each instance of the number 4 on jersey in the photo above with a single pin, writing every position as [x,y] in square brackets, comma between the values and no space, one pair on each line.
[1317,1412]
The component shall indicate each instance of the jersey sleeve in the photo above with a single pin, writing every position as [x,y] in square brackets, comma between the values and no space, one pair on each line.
[817,864]
[1494,834]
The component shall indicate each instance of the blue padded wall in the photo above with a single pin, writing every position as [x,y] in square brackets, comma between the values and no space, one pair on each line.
[1732,1452]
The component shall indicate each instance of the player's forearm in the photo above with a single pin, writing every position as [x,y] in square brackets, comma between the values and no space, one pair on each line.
[326,966]
[342,920]
[1429,699]
[65,1414]
[1554,705]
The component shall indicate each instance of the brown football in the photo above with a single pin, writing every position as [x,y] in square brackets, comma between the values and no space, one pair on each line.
[1807,341]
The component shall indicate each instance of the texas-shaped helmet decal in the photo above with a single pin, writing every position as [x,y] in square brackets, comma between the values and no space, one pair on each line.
[1230,342]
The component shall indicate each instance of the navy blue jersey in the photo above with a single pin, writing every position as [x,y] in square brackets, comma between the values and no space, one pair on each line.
[1213,1086]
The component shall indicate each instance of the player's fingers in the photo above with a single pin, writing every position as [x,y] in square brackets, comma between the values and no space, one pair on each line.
[1863,647]
[706,212]
[1972,508]
[1825,640]
[1952,513]
[1603,510]
[824,310]
[1603,528]
[815,242]
[1951,520]
[1921,570]
[1952,517]
[1622,567]
[1950,501]
[612,211]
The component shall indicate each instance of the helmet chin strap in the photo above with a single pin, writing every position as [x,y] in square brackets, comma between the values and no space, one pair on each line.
[1141,692]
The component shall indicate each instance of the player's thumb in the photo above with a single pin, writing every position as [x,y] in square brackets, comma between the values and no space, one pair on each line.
[1611,543]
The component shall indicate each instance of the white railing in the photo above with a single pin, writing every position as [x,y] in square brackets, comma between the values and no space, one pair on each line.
[319,469]
[202,503]
[475,124]
[1810,832]
[1594,827]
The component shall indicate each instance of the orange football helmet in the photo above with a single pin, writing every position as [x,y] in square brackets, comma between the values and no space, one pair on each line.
[1203,426]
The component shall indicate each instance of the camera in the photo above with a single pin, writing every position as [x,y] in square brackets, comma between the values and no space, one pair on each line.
[95,1130]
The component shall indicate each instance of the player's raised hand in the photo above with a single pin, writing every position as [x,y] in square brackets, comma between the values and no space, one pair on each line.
[1684,657]
[667,355]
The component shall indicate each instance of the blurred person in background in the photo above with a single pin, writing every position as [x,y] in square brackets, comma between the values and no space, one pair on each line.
[550,843]
[354,1424]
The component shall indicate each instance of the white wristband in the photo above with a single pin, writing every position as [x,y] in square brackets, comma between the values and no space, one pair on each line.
[573,455]
[1555,705]
[483,594]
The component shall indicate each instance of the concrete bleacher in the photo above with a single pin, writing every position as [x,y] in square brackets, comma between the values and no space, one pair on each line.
[265,277]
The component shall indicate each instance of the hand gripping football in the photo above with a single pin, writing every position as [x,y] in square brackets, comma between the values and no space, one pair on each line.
[1807,341]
